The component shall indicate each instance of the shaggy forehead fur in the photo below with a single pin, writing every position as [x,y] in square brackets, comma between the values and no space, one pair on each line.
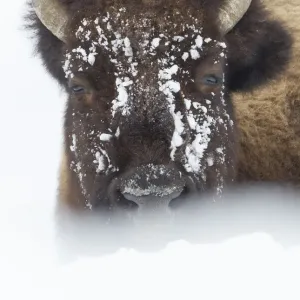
[163,13]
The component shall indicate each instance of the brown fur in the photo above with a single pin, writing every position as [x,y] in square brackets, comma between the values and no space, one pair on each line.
[269,117]
[67,187]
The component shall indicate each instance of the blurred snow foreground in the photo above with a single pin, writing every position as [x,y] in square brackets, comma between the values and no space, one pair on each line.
[246,247]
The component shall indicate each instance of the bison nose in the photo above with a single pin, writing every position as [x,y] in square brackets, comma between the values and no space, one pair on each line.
[152,186]
[152,201]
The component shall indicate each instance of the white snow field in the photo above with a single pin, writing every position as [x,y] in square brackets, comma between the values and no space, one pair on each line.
[248,249]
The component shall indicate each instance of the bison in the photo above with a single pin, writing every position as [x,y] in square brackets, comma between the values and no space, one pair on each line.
[171,98]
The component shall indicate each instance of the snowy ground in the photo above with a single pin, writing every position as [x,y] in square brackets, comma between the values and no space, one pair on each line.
[239,255]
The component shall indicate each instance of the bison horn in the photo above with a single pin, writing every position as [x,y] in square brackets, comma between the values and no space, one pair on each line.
[52,15]
[231,13]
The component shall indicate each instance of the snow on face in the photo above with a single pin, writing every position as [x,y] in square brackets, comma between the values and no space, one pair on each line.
[130,83]
[132,186]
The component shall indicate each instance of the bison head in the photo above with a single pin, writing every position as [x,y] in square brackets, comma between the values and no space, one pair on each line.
[149,119]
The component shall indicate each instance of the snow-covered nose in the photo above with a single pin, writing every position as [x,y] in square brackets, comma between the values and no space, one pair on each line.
[152,186]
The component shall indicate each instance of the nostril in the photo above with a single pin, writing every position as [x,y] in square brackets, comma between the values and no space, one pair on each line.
[126,203]
[176,202]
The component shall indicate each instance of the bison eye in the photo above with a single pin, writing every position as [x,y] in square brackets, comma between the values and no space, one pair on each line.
[211,80]
[77,89]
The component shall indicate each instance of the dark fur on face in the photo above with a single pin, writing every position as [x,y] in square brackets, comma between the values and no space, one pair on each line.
[146,132]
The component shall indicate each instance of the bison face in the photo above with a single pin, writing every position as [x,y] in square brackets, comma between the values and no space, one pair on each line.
[148,118]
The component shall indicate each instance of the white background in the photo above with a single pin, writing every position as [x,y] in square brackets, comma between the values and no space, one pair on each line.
[249,266]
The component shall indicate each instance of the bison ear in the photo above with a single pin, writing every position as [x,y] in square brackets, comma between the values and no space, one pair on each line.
[258,50]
